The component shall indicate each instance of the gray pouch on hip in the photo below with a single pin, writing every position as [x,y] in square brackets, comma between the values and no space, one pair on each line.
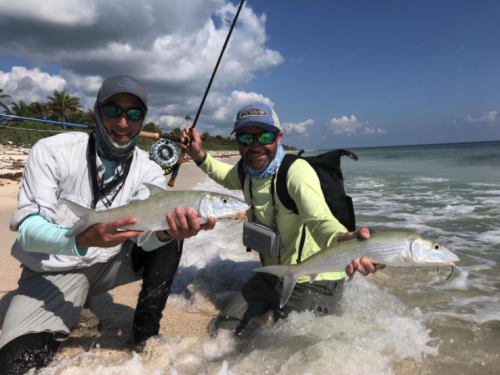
[262,239]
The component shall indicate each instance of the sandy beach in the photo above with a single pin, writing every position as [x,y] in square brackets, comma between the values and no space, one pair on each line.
[114,309]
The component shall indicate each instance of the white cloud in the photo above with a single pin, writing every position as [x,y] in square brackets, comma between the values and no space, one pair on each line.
[372,131]
[171,47]
[29,84]
[349,126]
[344,126]
[299,129]
[64,12]
[168,121]
[487,118]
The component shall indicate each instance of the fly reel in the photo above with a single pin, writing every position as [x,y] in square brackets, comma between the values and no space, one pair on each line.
[165,153]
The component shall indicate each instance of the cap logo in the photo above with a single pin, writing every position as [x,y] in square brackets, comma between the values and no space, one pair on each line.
[127,83]
[250,112]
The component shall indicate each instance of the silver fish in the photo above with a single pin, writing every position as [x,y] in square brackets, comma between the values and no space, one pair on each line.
[151,212]
[399,249]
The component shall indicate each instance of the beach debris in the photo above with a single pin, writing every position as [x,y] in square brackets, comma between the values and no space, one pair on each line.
[397,249]
[151,212]
[12,176]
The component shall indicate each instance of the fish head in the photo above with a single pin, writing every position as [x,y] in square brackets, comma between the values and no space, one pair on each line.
[427,252]
[223,207]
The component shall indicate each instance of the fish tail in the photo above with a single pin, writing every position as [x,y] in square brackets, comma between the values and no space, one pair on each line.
[83,214]
[289,279]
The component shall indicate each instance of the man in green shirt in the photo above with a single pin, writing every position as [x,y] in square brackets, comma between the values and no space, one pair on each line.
[259,134]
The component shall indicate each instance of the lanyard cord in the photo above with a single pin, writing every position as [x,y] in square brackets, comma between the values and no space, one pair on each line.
[275,212]
[102,191]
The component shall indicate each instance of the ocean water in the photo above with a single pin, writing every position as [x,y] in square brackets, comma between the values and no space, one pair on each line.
[399,321]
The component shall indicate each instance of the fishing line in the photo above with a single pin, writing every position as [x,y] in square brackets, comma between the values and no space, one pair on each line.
[460,64]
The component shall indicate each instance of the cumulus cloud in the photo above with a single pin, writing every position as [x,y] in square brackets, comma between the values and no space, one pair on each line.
[67,12]
[349,126]
[488,118]
[168,121]
[372,131]
[297,129]
[29,84]
[219,111]
[171,47]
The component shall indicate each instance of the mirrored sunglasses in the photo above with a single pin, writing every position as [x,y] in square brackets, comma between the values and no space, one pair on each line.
[264,139]
[134,114]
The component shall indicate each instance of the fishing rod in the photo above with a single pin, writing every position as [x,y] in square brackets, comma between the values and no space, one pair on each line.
[177,166]
[164,152]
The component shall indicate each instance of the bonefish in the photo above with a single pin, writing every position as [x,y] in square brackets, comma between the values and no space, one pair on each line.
[151,212]
[400,249]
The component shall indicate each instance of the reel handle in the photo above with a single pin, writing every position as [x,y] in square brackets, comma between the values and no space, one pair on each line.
[157,136]
[153,136]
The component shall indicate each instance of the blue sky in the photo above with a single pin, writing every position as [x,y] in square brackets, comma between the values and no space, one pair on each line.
[339,73]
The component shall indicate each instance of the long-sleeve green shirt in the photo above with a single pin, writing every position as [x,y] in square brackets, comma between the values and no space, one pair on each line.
[305,189]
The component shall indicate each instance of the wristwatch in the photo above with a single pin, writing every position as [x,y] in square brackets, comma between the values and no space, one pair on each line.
[202,160]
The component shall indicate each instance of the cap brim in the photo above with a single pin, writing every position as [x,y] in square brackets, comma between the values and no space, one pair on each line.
[256,124]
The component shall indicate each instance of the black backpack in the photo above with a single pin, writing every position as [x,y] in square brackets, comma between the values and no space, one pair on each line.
[327,167]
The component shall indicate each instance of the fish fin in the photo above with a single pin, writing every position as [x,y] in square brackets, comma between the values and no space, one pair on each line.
[280,271]
[154,189]
[313,277]
[286,272]
[288,285]
[83,214]
[144,236]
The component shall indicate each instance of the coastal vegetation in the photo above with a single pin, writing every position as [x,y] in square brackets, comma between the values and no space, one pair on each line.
[63,107]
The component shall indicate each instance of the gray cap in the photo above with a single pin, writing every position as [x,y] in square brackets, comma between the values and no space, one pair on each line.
[122,84]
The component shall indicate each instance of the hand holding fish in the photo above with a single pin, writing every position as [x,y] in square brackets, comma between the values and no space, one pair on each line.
[189,225]
[106,234]
[182,213]
[363,265]
[397,249]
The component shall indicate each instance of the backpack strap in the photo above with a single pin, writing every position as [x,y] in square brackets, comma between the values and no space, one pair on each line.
[281,188]
[285,197]
[241,175]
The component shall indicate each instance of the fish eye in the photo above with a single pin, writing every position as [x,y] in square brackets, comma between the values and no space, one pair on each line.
[437,246]
[224,200]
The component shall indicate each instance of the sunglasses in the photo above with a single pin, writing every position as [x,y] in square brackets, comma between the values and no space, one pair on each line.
[264,139]
[113,111]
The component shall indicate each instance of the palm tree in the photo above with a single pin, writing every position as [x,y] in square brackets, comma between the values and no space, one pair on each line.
[177,132]
[83,118]
[89,118]
[187,118]
[20,109]
[62,105]
[152,127]
[3,96]
[39,110]
[205,137]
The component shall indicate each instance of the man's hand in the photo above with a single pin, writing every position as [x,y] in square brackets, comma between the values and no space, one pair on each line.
[194,149]
[363,265]
[107,234]
[189,225]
